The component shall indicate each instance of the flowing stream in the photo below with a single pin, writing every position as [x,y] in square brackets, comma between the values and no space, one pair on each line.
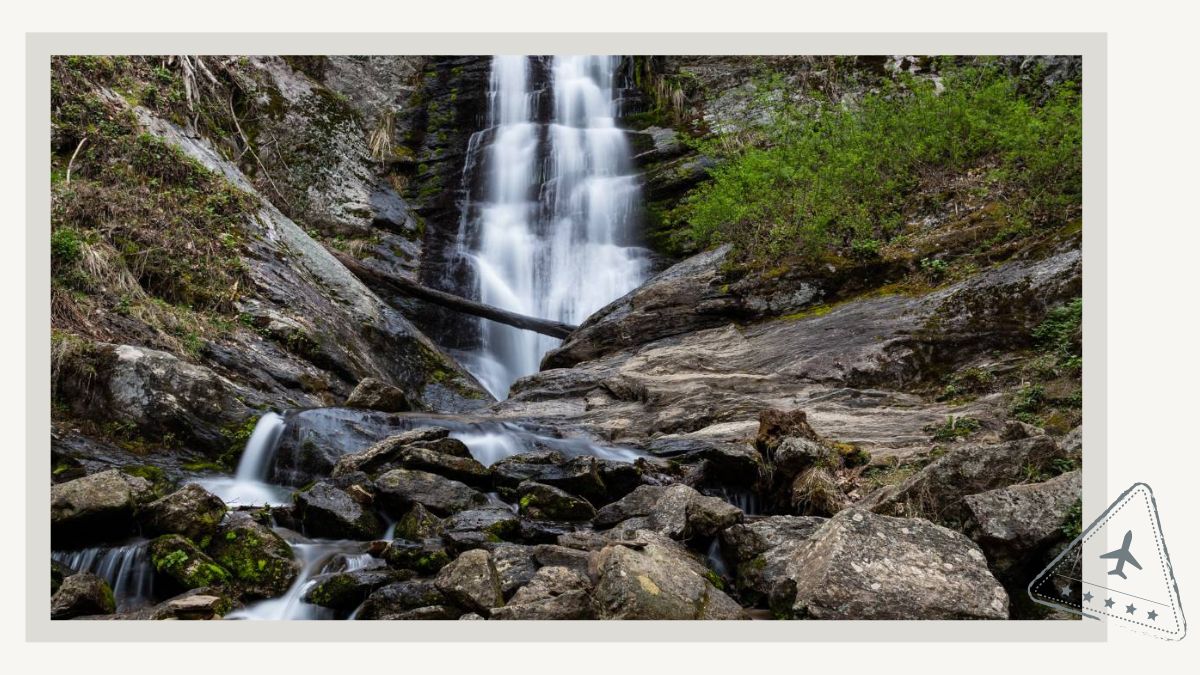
[551,231]
[250,485]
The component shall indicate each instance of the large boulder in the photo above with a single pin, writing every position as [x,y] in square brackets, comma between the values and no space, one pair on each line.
[397,600]
[200,604]
[1017,525]
[552,593]
[544,502]
[474,528]
[159,395]
[190,511]
[516,565]
[82,594]
[597,480]
[423,557]
[373,394]
[760,549]
[345,591]
[684,298]
[656,578]
[417,524]
[472,582]
[398,489]
[96,506]
[177,558]
[936,492]
[326,510]
[261,562]
[677,511]
[861,565]
[380,454]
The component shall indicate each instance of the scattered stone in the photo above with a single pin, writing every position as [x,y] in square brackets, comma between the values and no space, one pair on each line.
[936,492]
[394,601]
[418,524]
[82,594]
[95,507]
[384,452]
[678,511]
[552,593]
[373,394]
[759,552]
[425,557]
[543,502]
[346,590]
[1017,525]
[398,489]
[659,580]
[861,565]
[327,511]
[200,604]
[191,511]
[477,527]
[515,564]
[472,582]
[553,555]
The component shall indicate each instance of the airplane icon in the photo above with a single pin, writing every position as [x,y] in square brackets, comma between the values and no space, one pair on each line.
[1122,556]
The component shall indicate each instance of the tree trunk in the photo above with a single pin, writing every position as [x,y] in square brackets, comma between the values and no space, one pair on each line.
[379,281]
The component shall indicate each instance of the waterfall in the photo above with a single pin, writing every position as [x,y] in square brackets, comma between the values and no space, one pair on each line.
[126,568]
[552,228]
[249,486]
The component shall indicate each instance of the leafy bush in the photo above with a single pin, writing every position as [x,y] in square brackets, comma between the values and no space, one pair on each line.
[1061,333]
[833,178]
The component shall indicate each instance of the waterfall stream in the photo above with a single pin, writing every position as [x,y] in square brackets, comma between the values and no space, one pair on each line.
[250,486]
[551,231]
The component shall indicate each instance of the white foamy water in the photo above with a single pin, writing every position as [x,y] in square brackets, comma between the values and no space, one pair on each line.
[249,486]
[557,213]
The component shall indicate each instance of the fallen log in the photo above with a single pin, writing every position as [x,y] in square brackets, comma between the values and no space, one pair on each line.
[379,281]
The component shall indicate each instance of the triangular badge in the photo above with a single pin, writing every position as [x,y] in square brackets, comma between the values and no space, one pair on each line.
[1118,570]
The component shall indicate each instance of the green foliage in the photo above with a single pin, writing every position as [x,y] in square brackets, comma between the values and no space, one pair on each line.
[955,428]
[1026,401]
[66,246]
[1061,334]
[826,177]
[1073,524]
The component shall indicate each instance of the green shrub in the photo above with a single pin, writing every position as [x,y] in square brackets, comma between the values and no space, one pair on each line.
[1061,334]
[829,177]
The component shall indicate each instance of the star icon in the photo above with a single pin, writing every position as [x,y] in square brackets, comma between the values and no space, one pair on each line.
[1130,609]
[1087,597]
[1108,602]
[1152,615]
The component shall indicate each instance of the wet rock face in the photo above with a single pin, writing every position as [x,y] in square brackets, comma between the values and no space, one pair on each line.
[96,506]
[326,510]
[345,591]
[398,489]
[861,565]
[543,502]
[372,394]
[191,511]
[657,580]
[397,600]
[159,395]
[82,595]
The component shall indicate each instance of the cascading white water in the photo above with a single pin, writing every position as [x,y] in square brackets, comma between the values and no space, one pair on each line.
[557,212]
[249,486]
[127,569]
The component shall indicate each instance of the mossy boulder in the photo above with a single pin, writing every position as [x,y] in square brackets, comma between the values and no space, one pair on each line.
[261,562]
[425,557]
[545,502]
[418,524]
[191,511]
[347,590]
[82,594]
[179,559]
